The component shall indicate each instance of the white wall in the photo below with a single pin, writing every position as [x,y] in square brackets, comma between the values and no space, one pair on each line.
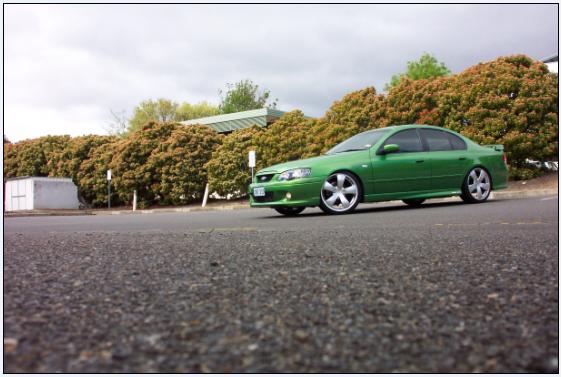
[19,194]
[553,67]
[41,193]
[54,193]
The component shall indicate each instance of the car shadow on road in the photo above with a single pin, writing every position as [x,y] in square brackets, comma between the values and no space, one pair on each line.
[387,208]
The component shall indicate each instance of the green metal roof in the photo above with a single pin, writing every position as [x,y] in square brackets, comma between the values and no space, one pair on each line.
[235,121]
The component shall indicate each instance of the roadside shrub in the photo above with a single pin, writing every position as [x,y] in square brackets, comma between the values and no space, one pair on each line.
[66,162]
[287,139]
[179,163]
[91,177]
[511,101]
[356,112]
[130,170]
[163,162]
[363,109]
[228,171]
[525,173]
[33,157]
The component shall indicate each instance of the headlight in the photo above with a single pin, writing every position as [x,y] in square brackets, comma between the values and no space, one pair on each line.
[288,175]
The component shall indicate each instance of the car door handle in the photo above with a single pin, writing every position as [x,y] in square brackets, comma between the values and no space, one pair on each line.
[419,161]
[462,158]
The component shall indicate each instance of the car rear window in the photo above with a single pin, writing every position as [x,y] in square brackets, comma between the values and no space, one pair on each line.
[436,140]
[457,142]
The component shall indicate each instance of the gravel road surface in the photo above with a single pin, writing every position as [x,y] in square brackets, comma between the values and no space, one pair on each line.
[444,288]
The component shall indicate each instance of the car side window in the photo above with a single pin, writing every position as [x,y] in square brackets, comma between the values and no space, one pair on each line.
[408,141]
[436,140]
[457,143]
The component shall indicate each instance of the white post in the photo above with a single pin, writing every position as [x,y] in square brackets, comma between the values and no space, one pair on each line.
[134,200]
[205,195]
[252,163]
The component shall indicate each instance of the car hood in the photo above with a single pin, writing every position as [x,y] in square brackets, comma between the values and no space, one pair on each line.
[308,162]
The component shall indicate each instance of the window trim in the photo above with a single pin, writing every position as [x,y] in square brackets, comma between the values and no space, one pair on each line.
[424,149]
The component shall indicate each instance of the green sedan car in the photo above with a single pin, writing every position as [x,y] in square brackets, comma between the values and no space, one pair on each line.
[411,163]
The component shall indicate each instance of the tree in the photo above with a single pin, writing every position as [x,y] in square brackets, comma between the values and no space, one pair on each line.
[187,111]
[426,67]
[161,110]
[118,124]
[6,140]
[244,95]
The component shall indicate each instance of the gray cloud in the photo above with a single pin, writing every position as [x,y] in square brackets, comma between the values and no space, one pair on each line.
[66,66]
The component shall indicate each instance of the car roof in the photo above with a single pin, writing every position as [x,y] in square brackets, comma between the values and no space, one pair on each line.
[405,126]
[410,126]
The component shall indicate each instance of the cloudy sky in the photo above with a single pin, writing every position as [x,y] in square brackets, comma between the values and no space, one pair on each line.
[67,66]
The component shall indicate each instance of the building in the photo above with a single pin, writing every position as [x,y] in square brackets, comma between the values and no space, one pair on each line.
[229,122]
[552,63]
[29,193]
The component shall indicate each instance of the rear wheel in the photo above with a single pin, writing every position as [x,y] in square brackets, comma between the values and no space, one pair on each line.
[414,202]
[340,194]
[476,186]
[290,211]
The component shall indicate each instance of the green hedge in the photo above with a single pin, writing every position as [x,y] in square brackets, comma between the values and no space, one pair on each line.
[511,101]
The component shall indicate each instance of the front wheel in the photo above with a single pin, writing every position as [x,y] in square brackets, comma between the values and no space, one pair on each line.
[340,194]
[414,202]
[476,186]
[290,211]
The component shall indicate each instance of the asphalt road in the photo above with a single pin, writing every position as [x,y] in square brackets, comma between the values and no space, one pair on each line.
[444,288]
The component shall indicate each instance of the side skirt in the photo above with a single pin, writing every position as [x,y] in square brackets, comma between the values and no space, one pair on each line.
[410,195]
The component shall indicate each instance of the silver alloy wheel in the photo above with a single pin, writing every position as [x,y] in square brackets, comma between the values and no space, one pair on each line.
[340,192]
[479,184]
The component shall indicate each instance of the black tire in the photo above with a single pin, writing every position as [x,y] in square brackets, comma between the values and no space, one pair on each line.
[468,186]
[349,182]
[414,202]
[290,211]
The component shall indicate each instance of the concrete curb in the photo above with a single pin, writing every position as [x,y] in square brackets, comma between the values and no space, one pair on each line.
[503,194]
[172,210]
[77,212]
[520,194]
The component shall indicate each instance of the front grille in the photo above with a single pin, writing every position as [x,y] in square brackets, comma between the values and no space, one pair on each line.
[264,178]
[263,199]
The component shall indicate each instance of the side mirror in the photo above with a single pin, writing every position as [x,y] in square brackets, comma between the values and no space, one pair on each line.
[390,148]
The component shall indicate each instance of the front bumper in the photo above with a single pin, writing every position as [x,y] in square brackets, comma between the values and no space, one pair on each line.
[304,193]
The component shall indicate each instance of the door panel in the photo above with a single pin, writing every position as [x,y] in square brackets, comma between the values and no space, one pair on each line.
[447,157]
[401,173]
[448,169]
[405,171]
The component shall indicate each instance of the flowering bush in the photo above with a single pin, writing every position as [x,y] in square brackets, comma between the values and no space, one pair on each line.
[512,101]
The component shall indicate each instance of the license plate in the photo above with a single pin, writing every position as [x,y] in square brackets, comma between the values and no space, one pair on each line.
[259,191]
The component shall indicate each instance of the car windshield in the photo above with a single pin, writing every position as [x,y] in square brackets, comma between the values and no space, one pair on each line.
[359,142]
